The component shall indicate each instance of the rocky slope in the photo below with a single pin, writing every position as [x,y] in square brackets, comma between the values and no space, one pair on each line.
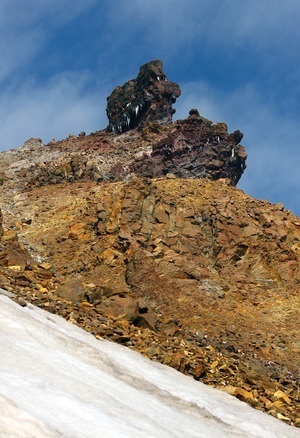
[143,238]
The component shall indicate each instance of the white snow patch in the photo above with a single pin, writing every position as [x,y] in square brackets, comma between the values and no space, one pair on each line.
[57,380]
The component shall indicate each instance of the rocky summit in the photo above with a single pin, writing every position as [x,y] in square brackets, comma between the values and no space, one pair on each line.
[138,234]
[145,99]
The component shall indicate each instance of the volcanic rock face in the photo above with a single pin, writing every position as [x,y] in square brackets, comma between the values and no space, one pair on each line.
[141,237]
[192,273]
[196,149]
[190,148]
[149,97]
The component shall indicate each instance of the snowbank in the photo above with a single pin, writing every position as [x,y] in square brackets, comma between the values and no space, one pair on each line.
[57,380]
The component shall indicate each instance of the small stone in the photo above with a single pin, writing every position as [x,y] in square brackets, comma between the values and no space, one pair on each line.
[283,417]
[147,320]
[45,265]
[15,267]
[118,307]
[86,304]
[170,176]
[26,221]
[73,290]
[199,371]
[21,302]
[241,394]
[41,288]
[281,396]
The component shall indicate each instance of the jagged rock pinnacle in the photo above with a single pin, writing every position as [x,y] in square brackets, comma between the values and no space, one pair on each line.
[147,98]
[196,148]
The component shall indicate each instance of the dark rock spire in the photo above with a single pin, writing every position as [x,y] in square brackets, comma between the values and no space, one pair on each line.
[147,98]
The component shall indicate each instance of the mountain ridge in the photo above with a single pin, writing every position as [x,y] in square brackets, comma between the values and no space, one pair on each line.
[142,237]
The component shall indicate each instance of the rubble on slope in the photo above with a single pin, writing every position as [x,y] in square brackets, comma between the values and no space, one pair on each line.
[160,266]
[138,235]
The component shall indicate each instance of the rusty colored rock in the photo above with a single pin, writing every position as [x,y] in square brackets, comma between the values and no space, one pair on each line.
[120,307]
[72,290]
[141,238]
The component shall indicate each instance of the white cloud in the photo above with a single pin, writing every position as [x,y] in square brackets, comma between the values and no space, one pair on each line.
[26,26]
[15,13]
[58,108]
[174,24]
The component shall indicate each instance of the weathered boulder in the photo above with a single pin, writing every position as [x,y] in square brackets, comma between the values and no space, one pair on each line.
[147,98]
[13,254]
[72,290]
[121,307]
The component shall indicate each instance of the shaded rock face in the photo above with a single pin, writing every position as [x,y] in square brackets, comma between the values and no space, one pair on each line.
[196,149]
[149,97]
[190,148]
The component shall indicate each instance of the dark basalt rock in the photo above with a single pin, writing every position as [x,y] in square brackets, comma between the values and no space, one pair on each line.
[147,98]
[196,149]
[190,148]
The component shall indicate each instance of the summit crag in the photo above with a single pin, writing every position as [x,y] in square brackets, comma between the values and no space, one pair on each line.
[138,234]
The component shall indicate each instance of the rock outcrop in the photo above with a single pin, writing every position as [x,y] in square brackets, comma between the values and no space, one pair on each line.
[147,98]
[140,236]
[141,141]
[197,148]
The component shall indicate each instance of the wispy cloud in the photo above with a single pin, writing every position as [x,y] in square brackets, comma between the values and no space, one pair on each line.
[57,105]
[56,109]
[174,23]
[26,26]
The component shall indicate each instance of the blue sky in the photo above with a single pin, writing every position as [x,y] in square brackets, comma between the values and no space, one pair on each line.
[236,61]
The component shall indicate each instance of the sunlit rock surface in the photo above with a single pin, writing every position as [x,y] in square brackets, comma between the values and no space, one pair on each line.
[142,238]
